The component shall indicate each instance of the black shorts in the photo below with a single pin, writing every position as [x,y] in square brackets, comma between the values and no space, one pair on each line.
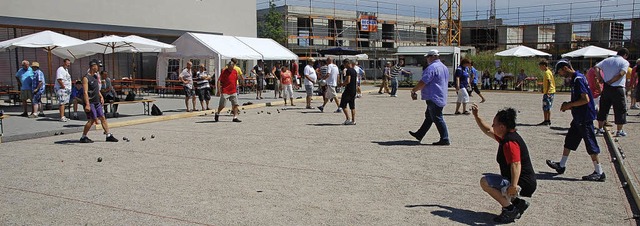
[111,98]
[474,87]
[613,96]
[204,94]
[580,131]
[348,99]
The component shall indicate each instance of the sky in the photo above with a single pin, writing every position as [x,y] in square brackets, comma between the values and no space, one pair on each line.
[513,11]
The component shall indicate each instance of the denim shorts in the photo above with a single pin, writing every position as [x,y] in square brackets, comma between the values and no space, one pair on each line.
[496,181]
[547,102]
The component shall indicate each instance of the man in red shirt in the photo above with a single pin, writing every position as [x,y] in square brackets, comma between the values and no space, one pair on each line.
[633,86]
[595,86]
[227,89]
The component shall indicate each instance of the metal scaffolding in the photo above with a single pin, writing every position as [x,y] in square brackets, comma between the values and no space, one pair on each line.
[449,25]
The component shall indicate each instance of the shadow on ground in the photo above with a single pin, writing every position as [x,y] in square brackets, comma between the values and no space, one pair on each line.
[325,124]
[553,176]
[398,143]
[559,128]
[72,126]
[67,142]
[462,216]
[526,124]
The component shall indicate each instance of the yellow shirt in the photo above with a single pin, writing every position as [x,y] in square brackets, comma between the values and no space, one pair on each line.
[239,71]
[548,83]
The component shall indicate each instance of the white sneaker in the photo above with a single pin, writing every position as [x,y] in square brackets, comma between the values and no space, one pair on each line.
[338,111]
[351,123]
[347,122]
[600,132]
[621,133]
[64,119]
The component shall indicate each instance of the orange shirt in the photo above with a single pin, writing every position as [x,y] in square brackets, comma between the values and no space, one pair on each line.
[285,78]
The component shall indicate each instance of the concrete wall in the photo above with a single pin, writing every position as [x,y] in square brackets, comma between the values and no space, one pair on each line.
[600,33]
[563,36]
[509,37]
[236,17]
[530,36]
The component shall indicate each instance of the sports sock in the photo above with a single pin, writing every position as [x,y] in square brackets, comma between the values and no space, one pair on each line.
[563,161]
[109,134]
[597,167]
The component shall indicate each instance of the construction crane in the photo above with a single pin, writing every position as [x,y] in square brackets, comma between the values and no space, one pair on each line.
[449,25]
[492,12]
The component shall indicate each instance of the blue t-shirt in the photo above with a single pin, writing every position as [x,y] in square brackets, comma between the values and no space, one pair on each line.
[436,80]
[25,77]
[79,93]
[587,112]
[38,77]
[463,74]
[474,72]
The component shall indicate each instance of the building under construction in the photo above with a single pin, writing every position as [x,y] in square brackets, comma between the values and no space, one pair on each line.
[311,29]
[556,28]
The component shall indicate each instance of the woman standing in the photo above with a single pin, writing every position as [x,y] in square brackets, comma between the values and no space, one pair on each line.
[287,84]
[258,70]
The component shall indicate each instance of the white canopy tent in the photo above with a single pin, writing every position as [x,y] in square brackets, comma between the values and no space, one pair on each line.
[47,40]
[216,48]
[521,51]
[590,52]
[268,48]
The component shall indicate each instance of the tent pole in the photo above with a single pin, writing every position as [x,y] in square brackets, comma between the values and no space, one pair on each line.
[50,72]
[113,62]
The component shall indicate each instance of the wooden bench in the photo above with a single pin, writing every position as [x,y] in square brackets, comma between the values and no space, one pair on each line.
[162,90]
[146,109]
[14,96]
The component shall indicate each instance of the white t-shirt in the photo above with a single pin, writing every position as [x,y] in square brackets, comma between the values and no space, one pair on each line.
[359,71]
[612,66]
[333,71]
[309,71]
[499,76]
[62,74]
[186,75]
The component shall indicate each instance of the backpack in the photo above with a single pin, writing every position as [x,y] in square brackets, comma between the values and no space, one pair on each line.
[131,96]
[155,110]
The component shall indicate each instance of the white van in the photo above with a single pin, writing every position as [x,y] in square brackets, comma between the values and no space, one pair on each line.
[414,59]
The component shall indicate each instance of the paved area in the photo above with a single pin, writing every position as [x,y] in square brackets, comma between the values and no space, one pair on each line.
[630,144]
[21,128]
[301,167]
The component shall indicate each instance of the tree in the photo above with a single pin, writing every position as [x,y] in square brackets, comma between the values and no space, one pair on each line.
[271,25]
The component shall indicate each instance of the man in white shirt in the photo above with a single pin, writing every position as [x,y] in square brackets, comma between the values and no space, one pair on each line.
[614,68]
[62,87]
[361,75]
[498,79]
[332,82]
[186,77]
[310,78]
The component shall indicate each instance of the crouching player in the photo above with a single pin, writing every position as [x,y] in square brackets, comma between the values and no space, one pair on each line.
[517,177]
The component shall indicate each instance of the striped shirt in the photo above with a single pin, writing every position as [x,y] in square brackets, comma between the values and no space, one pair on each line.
[395,71]
[323,71]
[201,83]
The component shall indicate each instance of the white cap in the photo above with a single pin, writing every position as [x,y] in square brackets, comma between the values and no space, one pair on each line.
[433,52]
[311,59]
